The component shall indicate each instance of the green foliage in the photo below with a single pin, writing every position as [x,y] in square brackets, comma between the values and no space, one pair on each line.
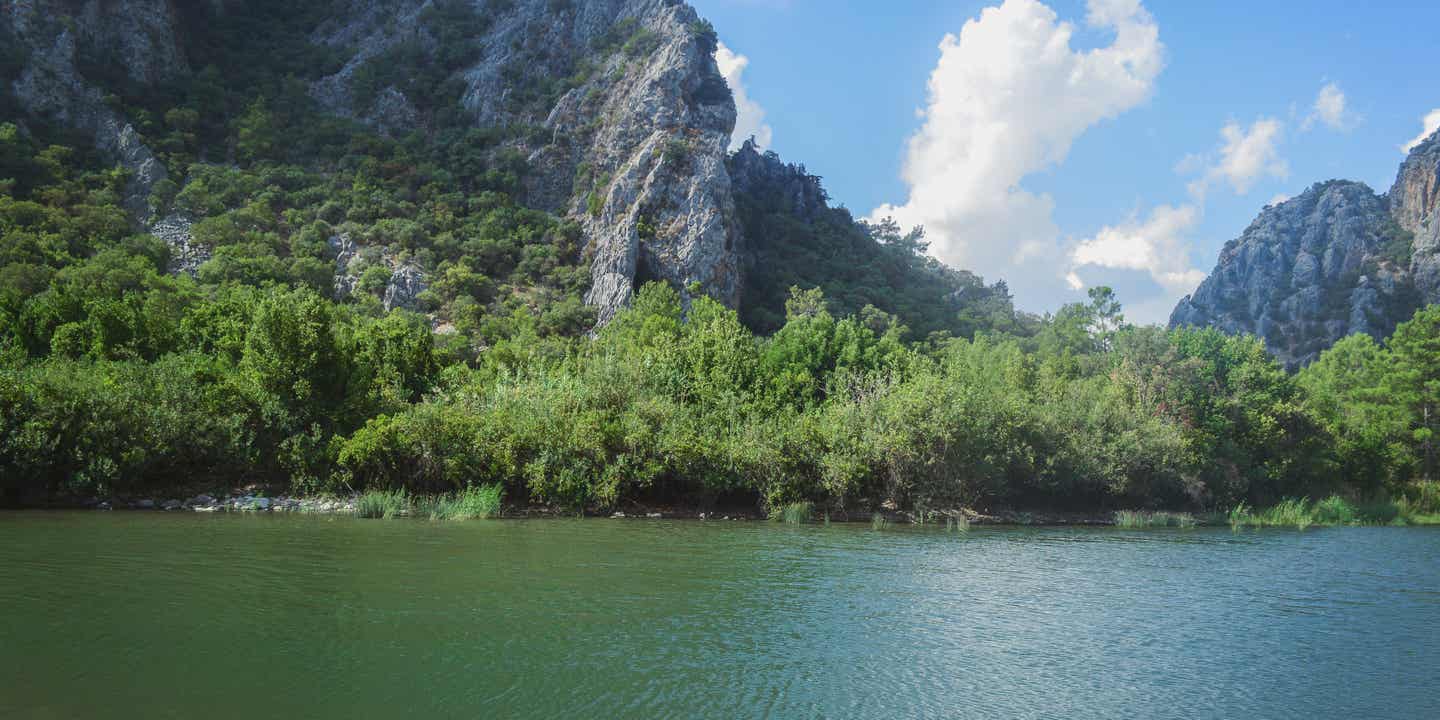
[386,504]
[472,503]
[857,265]
[1399,245]
[423,69]
[1134,519]
[676,152]
[795,513]
[704,33]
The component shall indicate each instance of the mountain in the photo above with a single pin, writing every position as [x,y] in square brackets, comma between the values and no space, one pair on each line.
[609,118]
[1334,261]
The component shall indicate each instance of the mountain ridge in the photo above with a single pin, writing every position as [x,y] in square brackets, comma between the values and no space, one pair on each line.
[1336,260]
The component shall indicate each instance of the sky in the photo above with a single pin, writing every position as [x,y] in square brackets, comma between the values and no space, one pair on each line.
[1064,144]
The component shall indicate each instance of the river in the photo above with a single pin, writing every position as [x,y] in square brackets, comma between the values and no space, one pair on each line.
[179,615]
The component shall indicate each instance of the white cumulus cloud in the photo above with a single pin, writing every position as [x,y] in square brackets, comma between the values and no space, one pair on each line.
[1431,123]
[1329,110]
[1246,155]
[750,117]
[1007,99]
[1156,245]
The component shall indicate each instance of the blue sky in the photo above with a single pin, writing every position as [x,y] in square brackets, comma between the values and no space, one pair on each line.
[1110,161]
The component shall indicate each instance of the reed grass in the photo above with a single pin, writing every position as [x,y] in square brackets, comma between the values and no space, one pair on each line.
[472,503]
[1331,511]
[1134,519]
[795,513]
[879,522]
[959,523]
[382,504]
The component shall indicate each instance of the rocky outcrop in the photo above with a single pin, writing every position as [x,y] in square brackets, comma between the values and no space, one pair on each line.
[404,287]
[632,147]
[1413,200]
[405,280]
[135,36]
[765,174]
[186,255]
[1335,261]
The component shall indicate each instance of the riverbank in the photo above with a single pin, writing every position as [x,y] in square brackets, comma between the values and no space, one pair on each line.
[1298,514]
[243,501]
[480,504]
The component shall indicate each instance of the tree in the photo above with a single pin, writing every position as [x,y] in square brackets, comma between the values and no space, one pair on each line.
[291,364]
[1414,382]
[256,132]
[1105,316]
[1344,390]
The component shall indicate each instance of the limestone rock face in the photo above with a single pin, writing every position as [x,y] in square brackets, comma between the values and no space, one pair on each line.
[1413,201]
[617,106]
[137,35]
[407,280]
[633,149]
[406,283]
[1335,261]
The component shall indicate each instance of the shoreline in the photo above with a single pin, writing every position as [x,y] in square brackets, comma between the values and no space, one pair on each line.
[243,502]
[1289,513]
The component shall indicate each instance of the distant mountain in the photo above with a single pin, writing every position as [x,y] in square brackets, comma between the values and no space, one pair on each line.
[1334,261]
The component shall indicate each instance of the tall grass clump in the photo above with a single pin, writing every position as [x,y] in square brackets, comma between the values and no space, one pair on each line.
[475,502]
[1133,519]
[1290,512]
[382,504]
[472,503]
[795,513]
[879,522]
[1336,510]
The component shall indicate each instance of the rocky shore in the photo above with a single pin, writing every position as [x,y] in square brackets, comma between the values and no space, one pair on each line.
[244,502]
[230,503]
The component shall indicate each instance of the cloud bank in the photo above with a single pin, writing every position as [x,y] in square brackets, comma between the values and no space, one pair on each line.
[1007,99]
[750,117]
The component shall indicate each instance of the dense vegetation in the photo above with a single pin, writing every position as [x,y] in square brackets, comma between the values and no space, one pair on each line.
[860,267]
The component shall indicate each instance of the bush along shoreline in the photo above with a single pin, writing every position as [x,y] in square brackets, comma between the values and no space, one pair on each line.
[685,407]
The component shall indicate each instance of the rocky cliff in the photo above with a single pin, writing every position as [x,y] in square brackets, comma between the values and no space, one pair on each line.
[616,105]
[51,41]
[1336,260]
[633,119]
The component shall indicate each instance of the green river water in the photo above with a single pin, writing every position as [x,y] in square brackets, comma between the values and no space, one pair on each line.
[156,615]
